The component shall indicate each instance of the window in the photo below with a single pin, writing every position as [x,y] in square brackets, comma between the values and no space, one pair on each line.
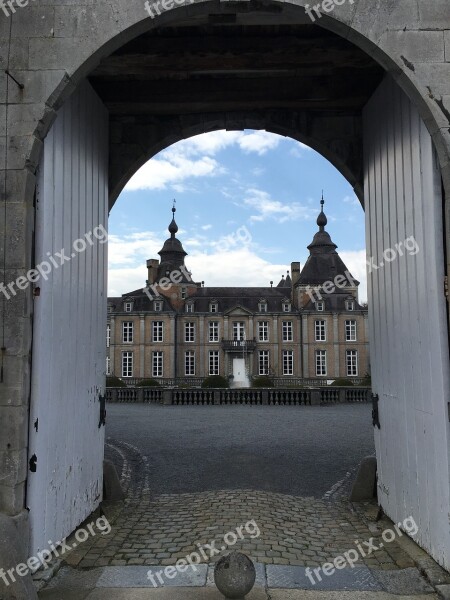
[157,331]
[189,307]
[189,363]
[157,364]
[110,308]
[127,364]
[213,307]
[214,362]
[238,330]
[351,359]
[189,332]
[213,330]
[350,331]
[287,331]
[128,306]
[108,365]
[321,362]
[320,328]
[183,293]
[263,331]
[127,332]
[263,362]
[108,335]
[286,307]
[157,306]
[349,305]
[320,306]
[288,362]
[262,307]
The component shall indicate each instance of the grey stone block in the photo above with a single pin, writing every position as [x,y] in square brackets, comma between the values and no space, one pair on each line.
[286,577]
[364,487]
[404,581]
[12,554]
[112,490]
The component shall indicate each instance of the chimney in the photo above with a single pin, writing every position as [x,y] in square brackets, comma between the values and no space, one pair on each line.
[152,266]
[295,272]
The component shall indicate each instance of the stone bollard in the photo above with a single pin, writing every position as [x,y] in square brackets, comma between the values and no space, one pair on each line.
[235,575]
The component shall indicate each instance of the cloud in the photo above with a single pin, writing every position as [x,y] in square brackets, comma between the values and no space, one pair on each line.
[206,227]
[158,174]
[268,208]
[356,264]
[194,158]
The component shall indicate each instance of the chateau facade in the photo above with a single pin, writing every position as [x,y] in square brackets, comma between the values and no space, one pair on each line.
[310,325]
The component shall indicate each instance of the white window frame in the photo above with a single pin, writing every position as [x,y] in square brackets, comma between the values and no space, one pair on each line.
[157,331]
[263,362]
[349,305]
[108,365]
[189,307]
[263,331]
[189,332]
[213,307]
[239,330]
[262,307]
[320,306]
[351,329]
[214,362]
[287,331]
[321,363]
[286,307]
[320,330]
[351,363]
[108,335]
[288,362]
[157,305]
[183,293]
[157,363]
[127,332]
[189,363]
[213,331]
[128,306]
[127,364]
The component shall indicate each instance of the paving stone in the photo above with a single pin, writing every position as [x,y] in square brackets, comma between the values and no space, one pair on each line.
[358,578]
[406,581]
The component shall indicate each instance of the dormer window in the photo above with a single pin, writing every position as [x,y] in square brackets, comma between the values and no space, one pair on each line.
[349,305]
[183,293]
[128,306]
[320,306]
[157,306]
[286,307]
[213,307]
[262,306]
[189,307]
[110,308]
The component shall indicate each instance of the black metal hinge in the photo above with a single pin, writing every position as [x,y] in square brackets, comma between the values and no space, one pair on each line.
[102,420]
[375,413]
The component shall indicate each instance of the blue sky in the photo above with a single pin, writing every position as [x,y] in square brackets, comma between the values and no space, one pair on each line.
[247,204]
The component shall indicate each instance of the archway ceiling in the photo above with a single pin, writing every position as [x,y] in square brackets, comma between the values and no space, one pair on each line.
[216,67]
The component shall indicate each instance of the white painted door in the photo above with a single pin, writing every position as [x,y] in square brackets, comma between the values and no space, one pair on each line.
[239,375]
[407,313]
[65,441]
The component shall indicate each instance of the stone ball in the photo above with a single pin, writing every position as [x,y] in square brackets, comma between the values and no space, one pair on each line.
[234,575]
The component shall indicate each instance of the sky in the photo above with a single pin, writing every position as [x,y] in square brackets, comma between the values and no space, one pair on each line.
[247,204]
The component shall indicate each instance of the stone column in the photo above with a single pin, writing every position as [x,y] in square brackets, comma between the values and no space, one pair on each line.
[336,347]
[142,346]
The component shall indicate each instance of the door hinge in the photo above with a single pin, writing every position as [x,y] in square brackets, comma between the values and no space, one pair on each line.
[375,412]
[102,420]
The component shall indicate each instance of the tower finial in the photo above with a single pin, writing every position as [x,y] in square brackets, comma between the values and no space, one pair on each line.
[322,219]
[173,227]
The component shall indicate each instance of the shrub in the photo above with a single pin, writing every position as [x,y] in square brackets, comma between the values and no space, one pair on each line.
[367,380]
[112,381]
[215,381]
[342,383]
[148,383]
[262,382]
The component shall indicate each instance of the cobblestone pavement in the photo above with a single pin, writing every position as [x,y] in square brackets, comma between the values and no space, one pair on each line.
[293,530]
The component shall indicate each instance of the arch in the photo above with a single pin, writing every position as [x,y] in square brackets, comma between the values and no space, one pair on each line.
[351,22]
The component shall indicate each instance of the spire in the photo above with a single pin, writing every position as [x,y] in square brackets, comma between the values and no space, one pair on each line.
[322,219]
[173,227]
